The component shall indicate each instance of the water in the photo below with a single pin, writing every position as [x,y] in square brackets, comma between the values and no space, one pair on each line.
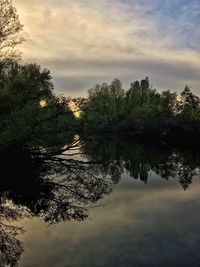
[150,218]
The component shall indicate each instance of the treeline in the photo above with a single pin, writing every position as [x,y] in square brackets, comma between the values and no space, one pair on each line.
[140,110]
[32,115]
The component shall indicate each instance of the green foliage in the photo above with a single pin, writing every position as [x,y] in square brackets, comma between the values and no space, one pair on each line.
[22,117]
[133,96]
[189,104]
[110,107]
[105,103]
[167,103]
[141,94]
[22,84]
[37,126]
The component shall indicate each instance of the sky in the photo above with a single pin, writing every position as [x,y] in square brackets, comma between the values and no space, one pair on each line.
[85,42]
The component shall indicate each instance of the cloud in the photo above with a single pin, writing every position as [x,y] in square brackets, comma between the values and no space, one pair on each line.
[86,41]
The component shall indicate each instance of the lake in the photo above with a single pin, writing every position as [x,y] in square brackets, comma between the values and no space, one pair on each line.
[133,205]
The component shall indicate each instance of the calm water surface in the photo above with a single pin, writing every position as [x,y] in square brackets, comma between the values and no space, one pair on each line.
[151,217]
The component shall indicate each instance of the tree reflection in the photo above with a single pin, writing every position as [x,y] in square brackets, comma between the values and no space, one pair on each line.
[69,190]
[10,247]
[53,187]
[139,161]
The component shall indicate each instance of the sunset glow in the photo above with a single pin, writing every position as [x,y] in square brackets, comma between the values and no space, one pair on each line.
[85,42]
[43,103]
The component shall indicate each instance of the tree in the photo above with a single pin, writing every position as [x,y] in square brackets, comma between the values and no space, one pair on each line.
[21,84]
[10,247]
[117,94]
[133,96]
[22,117]
[10,28]
[105,103]
[189,104]
[145,89]
[116,89]
[168,102]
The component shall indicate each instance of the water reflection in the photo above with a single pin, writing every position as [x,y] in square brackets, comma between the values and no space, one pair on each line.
[139,161]
[10,247]
[59,188]
[55,189]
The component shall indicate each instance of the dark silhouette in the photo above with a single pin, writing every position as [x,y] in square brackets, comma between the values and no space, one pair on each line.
[10,28]
[50,186]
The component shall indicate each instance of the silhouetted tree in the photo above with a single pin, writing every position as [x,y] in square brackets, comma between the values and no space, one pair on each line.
[189,103]
[51,186]
[10,28]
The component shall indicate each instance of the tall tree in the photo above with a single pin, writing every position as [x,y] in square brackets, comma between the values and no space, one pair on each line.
[168,102]
[133,96]
[10,28]
[145,90]
[189,102]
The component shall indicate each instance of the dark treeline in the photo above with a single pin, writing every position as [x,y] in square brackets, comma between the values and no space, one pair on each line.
[141,110]
[34,117]
[32,114]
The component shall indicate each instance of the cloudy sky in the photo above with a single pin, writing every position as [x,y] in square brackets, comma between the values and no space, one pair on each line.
[84,42]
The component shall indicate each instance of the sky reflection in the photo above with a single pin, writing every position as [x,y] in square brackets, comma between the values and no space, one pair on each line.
[137,225]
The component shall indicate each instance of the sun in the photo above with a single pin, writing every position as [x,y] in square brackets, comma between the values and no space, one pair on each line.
[42,103]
